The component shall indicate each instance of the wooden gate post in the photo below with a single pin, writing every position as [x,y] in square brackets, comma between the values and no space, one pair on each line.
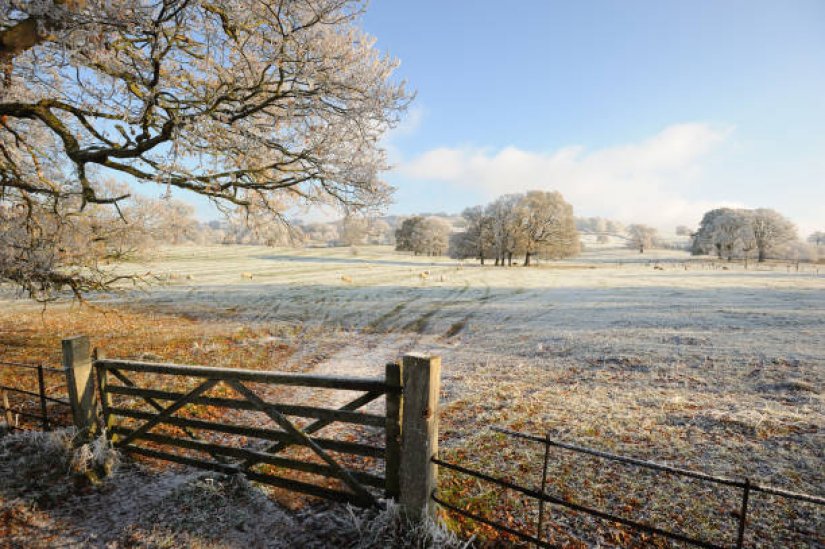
[419,434]
[392,458]
[77,365]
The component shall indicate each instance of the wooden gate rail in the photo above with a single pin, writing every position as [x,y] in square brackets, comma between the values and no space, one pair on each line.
[341,446]
[347,416]
[254,376]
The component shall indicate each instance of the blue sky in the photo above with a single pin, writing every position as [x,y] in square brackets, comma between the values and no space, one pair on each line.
[643,111]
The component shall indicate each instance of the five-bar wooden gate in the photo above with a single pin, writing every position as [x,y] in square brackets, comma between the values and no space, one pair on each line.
[261,424]
[167,424]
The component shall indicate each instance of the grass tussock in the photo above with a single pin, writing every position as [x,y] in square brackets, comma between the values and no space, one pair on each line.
[44,468]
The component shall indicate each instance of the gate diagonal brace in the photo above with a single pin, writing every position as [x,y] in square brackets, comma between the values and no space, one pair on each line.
[302,437]
[159,407]
[174,407]
[315,426]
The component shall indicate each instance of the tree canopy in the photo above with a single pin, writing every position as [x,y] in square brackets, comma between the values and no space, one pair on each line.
[254,104]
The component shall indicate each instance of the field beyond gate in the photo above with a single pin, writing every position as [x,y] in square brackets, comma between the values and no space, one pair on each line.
[170,425]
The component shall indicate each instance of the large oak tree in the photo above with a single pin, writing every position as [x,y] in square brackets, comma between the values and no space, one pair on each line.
[255,104]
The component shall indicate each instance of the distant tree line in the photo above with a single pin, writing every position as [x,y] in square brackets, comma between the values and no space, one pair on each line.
[535,223]
[740,233]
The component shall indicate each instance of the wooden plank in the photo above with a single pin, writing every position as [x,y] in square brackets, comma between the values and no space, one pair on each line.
[298,435]
[9,417]
[152,402]
[320,424]
[272,480]
[392,457]
[419,434]
[255,376]
[344,416]
[77,365]
[103,395]
[167,412]
[343,447]
[259,457]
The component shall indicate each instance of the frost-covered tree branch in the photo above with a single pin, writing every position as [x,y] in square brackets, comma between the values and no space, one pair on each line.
[255,104]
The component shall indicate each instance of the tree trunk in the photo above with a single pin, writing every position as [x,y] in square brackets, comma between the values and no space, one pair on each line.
[761,255]
[641,248]
[481,257]
[527,259]
[496,260]
[509,259]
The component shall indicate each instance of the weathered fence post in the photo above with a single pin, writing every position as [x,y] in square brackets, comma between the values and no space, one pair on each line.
[419,434]
[392,458]
[10,423]
[77,364]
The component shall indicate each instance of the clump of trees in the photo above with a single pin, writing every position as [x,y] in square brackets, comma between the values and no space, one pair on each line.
[817,238]
[257,107]
[599,225]
[535,223]
[641,237]
[738,233]
[423,235]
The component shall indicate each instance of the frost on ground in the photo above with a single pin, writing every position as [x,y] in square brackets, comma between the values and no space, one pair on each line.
[699,364]
[47,501]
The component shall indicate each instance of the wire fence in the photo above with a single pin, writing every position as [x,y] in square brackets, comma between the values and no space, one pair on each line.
[746,486]
[28,401]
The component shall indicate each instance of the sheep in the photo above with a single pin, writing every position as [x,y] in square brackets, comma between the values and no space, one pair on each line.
[346,279]
[424,275]
[246,276]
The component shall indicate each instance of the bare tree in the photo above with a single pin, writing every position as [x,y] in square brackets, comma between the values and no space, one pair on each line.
[770,230]
[431,236]
[353,231]
[380,232]
[704,241]
[641,237]
[817,238]
[728,229]
[683,230]
[476,240]
[505,227]
[326,233]
[404,234]
[545,223]
[253,104]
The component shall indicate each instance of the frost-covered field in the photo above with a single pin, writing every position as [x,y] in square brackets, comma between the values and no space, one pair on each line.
[658,356]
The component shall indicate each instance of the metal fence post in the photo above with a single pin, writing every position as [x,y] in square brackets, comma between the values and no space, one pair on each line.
[419,434]
[41,385]
[77,365]
[743,514]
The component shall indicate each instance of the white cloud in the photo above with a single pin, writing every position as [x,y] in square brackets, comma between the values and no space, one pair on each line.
[642,182]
